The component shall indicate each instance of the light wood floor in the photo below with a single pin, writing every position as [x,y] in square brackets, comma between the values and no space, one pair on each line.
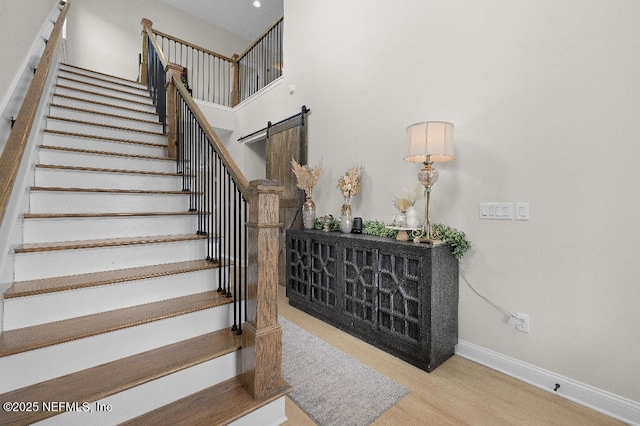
[459,392]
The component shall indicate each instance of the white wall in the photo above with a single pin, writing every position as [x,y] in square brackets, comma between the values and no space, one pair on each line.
[105,35]
[23,25]
[544,95]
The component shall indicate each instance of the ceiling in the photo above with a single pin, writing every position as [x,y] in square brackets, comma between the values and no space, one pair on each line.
[239,17]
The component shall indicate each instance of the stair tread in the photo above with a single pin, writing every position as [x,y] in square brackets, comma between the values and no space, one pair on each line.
[105,138]
[40,336]
[104,170]
[89,101]
[107,214]
[106,190]
[218,405]
[135,91]
[90,123]
[89,92]
[99,73]
[115,116]
[98,152]
[99,382]
[95,279]
[123,82]
[107,242]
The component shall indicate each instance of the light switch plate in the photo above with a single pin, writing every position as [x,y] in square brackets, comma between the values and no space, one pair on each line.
[496,211]
[522,211]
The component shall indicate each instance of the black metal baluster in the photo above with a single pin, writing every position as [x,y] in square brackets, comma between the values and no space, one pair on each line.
[236,322]
[225,236]
[246,252]
[227,233]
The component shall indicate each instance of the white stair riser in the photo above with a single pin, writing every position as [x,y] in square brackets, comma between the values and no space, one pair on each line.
[87,159]
[94,228]
[58,263]
[122,93]
[104,81]
[137,113]
[89,73]
[272,414]
[65,178]
[73,114]
[79,142]
[110,132]
[101,202]
[114,100]
[40,309]
[35,366]
[154,394]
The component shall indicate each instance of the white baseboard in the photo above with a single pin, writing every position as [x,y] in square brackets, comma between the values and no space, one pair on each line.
[605,402]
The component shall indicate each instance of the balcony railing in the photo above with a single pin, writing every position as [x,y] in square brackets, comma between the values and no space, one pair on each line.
[221,80]
[261,63]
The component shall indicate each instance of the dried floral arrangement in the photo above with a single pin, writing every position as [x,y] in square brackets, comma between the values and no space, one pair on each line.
[408,199]
[349,184]
[307,176]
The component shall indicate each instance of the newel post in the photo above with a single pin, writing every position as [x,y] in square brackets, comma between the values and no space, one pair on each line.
[146,29]
[262,335]
[235,80]
[173,71]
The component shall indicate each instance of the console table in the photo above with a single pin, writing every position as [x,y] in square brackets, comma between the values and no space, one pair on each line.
[399,296]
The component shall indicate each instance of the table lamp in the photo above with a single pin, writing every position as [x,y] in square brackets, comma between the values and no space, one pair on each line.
[429,142]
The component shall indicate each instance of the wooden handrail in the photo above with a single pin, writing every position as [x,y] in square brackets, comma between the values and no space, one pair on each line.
[194,46]
[260,38]
[235,172]
[18,138]
[173,79]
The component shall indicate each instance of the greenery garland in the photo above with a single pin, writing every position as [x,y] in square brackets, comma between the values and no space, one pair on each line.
[457,239]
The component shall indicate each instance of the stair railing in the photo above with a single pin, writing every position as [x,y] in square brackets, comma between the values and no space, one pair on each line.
[216,78]
[240,218]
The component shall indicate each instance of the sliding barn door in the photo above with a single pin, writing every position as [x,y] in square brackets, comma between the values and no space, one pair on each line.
[287,140]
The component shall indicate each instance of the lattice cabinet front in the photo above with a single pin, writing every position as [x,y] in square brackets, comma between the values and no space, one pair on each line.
[399,296]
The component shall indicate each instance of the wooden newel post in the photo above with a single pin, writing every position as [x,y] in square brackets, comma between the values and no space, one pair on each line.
[173,71]
[146,29]
[235,80]
[262,335]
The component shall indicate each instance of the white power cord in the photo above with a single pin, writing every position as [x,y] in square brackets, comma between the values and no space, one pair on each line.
[510,315]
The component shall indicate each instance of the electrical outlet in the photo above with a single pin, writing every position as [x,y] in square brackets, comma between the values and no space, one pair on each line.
[522,322]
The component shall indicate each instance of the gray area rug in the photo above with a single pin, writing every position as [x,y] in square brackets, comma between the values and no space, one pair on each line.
[330,386]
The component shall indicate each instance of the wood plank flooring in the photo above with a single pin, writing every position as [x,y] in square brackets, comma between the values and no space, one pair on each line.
[459,392]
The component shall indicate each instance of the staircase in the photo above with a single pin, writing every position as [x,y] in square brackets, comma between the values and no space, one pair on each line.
[114,315]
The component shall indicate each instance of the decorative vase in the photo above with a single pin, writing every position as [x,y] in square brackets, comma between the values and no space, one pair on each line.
[308,213]
[412,220]
[346,217]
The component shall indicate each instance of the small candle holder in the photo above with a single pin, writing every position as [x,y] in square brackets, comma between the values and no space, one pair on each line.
[326,222]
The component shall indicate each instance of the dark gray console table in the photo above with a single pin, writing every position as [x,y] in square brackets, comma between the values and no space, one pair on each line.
[401,297]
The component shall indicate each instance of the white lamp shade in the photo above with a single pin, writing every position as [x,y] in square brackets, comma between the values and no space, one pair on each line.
[432,139]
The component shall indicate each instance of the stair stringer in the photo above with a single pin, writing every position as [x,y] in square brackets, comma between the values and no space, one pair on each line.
[10,229]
